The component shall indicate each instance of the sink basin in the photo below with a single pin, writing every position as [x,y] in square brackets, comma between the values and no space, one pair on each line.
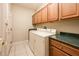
[42,33]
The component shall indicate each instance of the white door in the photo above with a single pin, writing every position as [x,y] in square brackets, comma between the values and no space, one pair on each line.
[7,29]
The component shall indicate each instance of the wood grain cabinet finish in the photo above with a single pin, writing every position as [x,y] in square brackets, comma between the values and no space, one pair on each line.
[68,10]
[44,14]
[70,50]
[52,11]
[56,52]
[55,11]
[33,19]
[36,19]
[65,48]
[39,17]
[55,43]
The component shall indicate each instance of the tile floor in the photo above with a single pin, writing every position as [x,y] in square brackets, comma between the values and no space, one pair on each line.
[20,49]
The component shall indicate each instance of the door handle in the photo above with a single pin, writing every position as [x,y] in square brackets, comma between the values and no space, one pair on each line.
[6,24]
[10,29]
[3,43]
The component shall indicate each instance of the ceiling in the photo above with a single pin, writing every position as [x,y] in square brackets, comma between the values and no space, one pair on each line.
[33,6]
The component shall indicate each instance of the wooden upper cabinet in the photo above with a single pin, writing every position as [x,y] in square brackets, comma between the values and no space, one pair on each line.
[68,10]
[36,19]
[44,14]
[39,17]
[52,11]
[55,11]
[33,19]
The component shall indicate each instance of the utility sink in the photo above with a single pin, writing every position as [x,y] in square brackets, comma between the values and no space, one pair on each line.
[42,33]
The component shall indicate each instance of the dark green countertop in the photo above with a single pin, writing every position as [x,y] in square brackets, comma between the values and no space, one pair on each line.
[70,39]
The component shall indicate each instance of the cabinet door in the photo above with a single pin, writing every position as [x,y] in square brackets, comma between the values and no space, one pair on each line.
[36,21]
[39,17]
[52,12]
[56,52]
[44,14]
[70,50]
[68,10]
[33,19]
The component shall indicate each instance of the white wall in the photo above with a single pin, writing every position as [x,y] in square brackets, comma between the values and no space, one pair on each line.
[22,20]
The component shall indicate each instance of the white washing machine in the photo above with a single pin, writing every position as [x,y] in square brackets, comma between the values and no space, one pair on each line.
[39,42]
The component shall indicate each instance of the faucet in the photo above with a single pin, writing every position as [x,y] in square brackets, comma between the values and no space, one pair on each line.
[44,27]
